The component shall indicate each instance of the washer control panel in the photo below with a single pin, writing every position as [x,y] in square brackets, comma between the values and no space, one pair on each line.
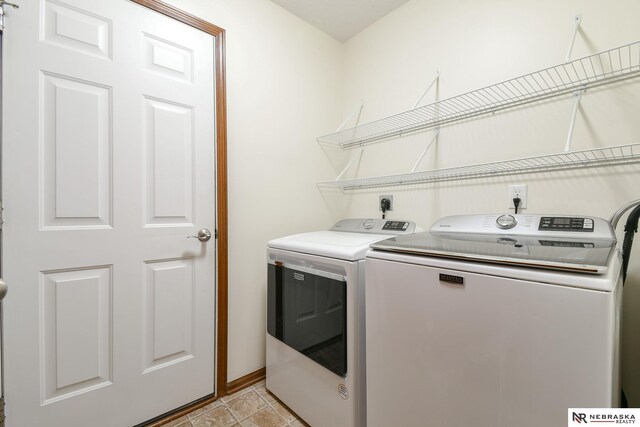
[565,223]
[544,226]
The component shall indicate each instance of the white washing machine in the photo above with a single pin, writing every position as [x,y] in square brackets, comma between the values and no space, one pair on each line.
[493,321]
[315,320]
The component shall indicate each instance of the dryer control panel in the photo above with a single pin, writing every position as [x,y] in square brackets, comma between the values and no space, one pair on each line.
[375,226]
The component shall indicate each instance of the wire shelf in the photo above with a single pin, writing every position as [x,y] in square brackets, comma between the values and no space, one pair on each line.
[576,159]
[605,67]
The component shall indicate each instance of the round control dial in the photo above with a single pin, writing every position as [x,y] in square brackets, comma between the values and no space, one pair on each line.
[368,224]
[506,221]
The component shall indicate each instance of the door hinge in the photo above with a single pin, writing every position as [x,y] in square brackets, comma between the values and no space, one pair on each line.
[1,411]
[1,215]
[216,231]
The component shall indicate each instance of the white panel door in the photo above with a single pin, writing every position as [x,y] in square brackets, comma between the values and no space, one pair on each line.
[107,167]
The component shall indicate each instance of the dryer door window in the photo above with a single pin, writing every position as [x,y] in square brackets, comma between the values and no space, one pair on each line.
[307,312]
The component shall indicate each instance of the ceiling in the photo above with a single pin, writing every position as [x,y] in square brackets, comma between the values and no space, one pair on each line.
[341,19]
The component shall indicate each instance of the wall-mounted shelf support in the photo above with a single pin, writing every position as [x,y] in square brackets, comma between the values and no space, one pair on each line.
[427,89]
[577,97]
[577,20]
[357,112]
[346,168]
[435,137]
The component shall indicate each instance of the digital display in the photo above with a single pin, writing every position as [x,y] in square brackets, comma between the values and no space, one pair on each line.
[548,223]
[395,225]
[562,221]
[566,244]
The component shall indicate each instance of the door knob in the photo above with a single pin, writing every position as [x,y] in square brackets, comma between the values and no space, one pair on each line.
[3,289]
[203,235]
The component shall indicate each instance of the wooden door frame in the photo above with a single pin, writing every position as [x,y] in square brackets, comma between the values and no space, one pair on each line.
[221,181]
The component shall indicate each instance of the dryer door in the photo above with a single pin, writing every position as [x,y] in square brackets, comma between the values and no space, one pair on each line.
[306,309]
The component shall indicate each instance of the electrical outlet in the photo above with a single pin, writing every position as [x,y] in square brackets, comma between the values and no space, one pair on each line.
[519,190]
[390,202]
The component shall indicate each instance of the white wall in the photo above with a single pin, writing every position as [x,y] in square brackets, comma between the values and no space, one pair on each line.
[480,42]
[283,85]
[288,83]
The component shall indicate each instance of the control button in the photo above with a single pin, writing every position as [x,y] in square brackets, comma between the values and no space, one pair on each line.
[367,224]
[587,225]
[506,221]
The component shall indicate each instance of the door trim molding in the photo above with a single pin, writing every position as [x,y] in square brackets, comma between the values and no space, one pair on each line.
[221,177]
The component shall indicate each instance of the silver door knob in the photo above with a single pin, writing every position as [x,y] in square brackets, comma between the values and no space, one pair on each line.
[203,235]
[3,289]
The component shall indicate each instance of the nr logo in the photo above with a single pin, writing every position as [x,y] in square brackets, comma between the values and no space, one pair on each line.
[579,418]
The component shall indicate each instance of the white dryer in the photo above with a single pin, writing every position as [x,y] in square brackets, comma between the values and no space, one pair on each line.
[315,320]
[493,321]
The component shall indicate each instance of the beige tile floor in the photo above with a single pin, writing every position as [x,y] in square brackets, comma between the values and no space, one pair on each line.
[251,407]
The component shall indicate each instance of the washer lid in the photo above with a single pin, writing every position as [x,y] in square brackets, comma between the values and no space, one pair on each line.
[557,254]
[334,244]
[533,245]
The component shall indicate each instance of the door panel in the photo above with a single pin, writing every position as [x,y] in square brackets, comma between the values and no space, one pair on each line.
[76,29]
[76,323]
[169,164]
[168,59]
[76,125]
[108,167]
[169,312]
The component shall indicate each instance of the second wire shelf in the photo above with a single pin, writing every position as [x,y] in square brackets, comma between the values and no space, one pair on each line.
[575,159]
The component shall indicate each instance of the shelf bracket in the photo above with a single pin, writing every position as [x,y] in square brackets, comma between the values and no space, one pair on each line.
[435,137]
[346,168]
[427,90]
[357,112]
[577,20]
[577,96]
